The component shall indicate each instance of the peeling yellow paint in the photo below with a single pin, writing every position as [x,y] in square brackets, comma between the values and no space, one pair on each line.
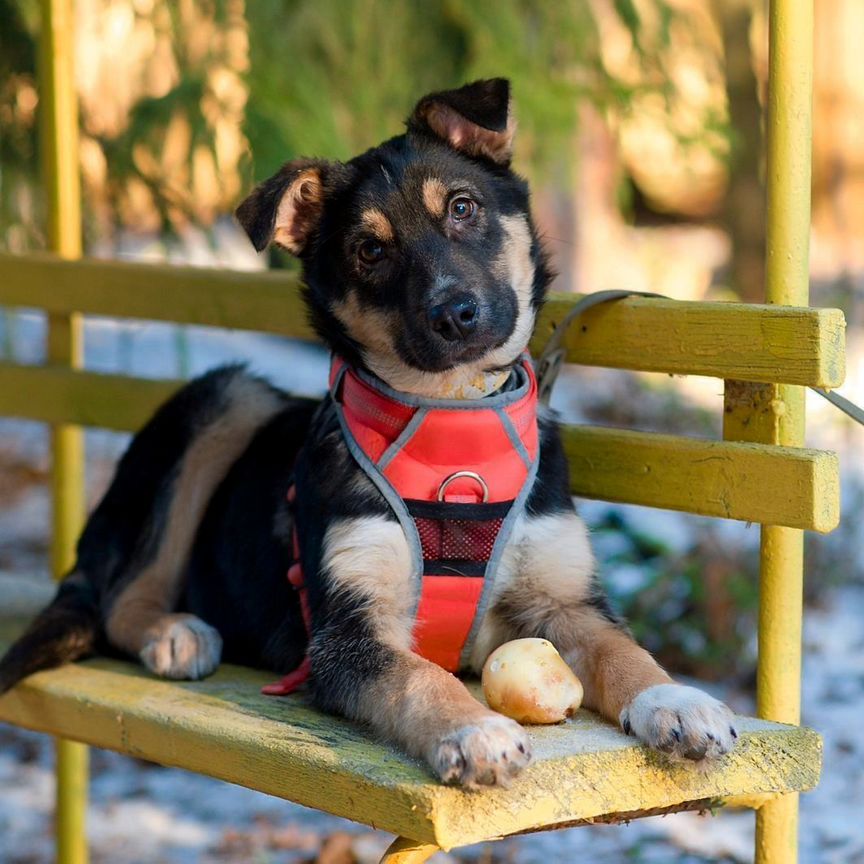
[222,727]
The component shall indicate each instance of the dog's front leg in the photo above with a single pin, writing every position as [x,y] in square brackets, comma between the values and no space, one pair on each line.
[364,669]
[624,683]
[419,706]
[554,594]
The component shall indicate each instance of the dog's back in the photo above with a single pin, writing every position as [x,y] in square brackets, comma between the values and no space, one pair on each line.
[141,538]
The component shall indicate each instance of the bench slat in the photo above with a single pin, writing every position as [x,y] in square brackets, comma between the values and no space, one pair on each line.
[54,394]
[744,341]
[222,727]
[752,482]
[726,340]
[772,485]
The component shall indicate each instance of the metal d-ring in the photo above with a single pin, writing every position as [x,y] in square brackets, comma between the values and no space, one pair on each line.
[473,475]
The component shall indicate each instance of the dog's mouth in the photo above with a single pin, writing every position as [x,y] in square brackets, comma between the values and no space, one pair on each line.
[437,353]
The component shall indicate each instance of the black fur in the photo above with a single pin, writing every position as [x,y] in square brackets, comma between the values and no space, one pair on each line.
[126,525]
[486,103]
[121,536]
[64,631]
[236,580]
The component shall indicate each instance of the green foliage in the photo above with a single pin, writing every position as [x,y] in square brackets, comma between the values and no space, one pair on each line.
[332,78]
[694,610]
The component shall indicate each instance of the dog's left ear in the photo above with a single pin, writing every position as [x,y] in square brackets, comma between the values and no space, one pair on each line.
[286,209]
[475,119]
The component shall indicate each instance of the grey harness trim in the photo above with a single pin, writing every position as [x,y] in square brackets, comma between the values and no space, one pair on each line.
[393,498]
[491,573]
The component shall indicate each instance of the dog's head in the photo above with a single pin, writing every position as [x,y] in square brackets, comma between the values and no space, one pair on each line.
[420,258]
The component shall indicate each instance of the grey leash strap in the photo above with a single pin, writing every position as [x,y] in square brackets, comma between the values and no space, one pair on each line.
[552,358]
[841,402]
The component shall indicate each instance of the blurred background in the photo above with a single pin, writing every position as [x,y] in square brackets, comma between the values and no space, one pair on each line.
[640,128]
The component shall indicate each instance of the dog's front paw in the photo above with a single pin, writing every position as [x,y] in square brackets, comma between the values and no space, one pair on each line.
[490,752]
[182,646]
[681,721]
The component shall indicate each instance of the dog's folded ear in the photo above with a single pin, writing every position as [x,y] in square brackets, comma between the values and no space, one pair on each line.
[287,208]
[475,119]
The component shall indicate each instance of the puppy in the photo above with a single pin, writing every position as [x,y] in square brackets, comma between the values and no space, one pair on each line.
[423,273]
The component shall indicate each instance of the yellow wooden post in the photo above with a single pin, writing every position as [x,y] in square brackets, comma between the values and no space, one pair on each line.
[405,851]
[774,414]
[59,141]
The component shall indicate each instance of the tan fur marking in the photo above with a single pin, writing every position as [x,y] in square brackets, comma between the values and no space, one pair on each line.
[469,137]
[371,328]
[298,211]
[612,667]
[369,559]
[378,224]
[153,593]
[543,583]
[515,265]
[434,196]
[547,565]
[429,713]
[417,703]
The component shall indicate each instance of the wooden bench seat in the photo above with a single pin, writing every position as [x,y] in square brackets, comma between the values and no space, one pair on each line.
[585,769]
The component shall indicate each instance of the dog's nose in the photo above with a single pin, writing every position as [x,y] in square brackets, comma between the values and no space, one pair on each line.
[454,319]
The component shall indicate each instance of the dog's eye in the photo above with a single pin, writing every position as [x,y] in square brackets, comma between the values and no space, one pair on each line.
[462,208]
[370,251]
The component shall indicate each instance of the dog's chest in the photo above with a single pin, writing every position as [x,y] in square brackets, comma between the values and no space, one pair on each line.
[456,477]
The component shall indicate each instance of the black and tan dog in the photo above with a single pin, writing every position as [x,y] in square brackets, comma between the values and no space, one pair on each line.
[423,269]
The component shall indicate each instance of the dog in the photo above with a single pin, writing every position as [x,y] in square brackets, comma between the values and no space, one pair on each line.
[423,273]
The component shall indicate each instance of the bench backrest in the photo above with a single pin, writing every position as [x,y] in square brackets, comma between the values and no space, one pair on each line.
[754,482]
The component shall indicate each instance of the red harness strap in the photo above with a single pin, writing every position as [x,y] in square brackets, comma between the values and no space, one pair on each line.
[299,676]
[453,472]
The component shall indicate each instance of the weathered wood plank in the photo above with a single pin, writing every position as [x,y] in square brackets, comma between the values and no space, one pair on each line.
[54,394]
[798,488]
[269,302]
[746,341]
[222,727]
[725,340]
[751,482]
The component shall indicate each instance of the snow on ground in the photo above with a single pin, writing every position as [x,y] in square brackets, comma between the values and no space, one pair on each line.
[143,814]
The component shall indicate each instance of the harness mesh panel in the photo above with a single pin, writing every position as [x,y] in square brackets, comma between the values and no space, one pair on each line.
[457,539]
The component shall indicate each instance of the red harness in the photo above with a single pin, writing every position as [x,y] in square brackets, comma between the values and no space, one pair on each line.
[456,474]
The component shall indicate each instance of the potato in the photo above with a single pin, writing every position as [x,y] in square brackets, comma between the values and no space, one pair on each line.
[528,680]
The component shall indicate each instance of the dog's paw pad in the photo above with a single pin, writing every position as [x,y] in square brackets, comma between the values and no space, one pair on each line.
[490,752]
[183,648]
[683,722]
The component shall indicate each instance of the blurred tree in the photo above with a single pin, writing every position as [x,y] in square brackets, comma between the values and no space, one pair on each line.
[169,97]
[18,101]
[162,103]
[744,206]
[332,78]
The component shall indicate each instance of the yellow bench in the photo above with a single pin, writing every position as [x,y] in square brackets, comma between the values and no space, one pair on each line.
[586,770]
